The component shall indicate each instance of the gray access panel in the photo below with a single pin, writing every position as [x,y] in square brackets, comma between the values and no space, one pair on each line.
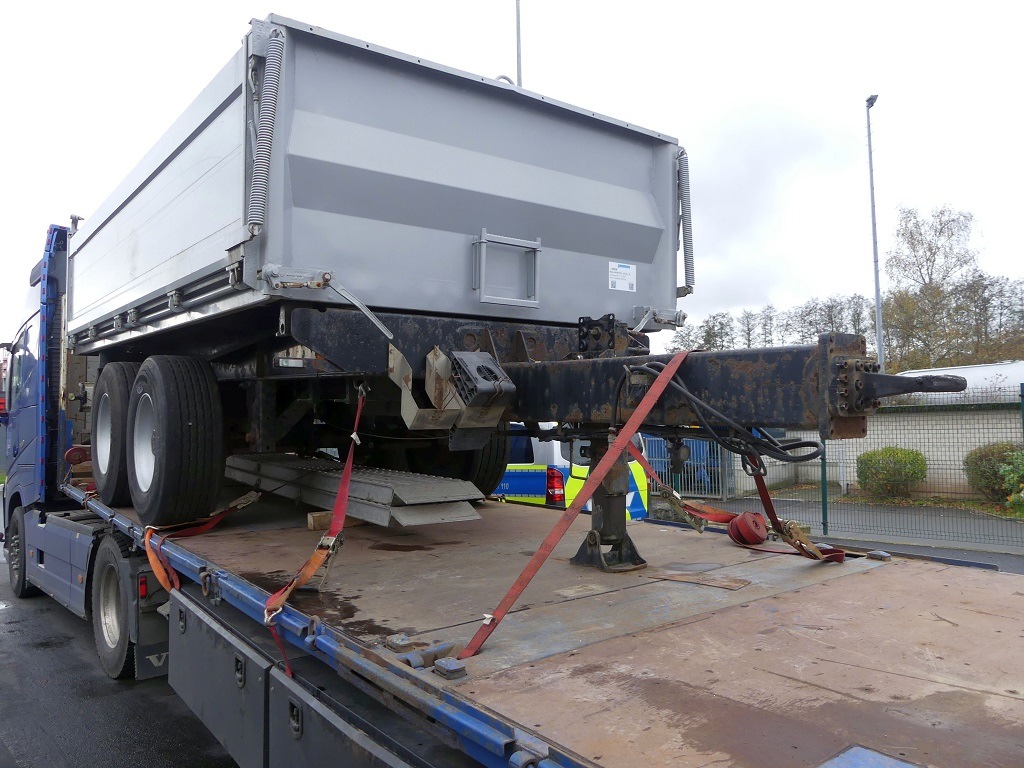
[304,731]
[221,679]
[418,187]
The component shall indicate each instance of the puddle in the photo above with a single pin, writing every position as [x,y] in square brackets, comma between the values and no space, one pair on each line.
[57,641]
[388,547]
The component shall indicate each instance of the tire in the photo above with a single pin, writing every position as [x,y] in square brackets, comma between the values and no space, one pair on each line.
[109,432]
[110,607]
[484,467]
[487,465]
[175,440]
[17,556]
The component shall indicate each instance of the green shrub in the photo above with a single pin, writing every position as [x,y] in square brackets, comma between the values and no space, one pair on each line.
[1012,473]
[982,468]
[890,471]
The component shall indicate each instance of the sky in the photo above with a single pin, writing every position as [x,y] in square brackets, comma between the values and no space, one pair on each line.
[767,99]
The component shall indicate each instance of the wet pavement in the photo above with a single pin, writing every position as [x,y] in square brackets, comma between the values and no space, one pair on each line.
[58,709]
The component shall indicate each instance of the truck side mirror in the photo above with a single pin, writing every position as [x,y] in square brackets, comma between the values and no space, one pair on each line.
[5,346]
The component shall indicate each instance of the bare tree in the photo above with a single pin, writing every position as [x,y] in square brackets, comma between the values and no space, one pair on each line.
[858,313]
[931,251]
[718,331]
[806,321]
[747,326]
[686,337]
[766,317]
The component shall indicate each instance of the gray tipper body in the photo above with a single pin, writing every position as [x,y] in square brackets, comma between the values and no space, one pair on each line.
[394,175]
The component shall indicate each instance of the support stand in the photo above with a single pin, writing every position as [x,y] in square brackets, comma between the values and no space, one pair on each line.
[609,520]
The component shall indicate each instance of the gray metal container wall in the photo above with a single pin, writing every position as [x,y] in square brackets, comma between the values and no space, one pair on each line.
[170,222]
[385,170]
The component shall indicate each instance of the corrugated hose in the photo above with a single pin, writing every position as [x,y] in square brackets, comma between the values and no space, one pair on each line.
[685,230]
[260,187]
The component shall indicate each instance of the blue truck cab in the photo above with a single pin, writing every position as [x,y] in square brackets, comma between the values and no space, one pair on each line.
[35,442]
[52,544]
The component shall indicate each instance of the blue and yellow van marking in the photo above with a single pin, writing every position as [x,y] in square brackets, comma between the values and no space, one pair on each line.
[527,484]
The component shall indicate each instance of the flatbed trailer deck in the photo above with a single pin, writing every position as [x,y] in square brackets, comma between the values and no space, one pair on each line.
[713,655]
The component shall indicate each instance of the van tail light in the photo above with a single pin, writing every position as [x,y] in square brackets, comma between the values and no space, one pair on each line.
[555,494]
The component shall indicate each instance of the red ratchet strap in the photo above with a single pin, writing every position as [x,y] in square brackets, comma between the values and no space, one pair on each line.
[791,532]
[284,652]
[747,528]
[615,450]
[327,545]
[162,569]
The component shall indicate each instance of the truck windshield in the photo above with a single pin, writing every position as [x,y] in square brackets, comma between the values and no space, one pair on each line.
[23,353]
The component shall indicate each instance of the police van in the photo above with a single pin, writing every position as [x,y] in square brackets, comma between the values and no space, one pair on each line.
[552,472]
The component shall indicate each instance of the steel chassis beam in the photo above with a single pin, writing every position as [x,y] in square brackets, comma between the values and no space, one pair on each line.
[830,387]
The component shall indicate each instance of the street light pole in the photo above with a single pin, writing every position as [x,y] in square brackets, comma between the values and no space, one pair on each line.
[874,243]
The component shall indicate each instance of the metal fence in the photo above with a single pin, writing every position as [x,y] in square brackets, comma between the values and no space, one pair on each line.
[829,496]
[705,474]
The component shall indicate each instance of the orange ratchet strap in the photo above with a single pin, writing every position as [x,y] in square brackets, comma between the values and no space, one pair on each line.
[162,569]
[593,481]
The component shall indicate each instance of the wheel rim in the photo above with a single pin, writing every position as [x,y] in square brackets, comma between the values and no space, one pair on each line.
[14,550]
[143,457]
[104,428]
[110,606]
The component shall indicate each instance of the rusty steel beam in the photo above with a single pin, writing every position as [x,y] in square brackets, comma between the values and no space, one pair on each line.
[830,387]
[561,376]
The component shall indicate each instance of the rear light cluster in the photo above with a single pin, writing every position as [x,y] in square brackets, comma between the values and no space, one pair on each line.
[555,494]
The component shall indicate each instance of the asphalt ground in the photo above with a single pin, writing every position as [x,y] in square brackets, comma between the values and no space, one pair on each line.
[59,710]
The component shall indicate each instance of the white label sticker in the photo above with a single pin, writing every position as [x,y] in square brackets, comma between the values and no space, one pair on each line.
[621,277]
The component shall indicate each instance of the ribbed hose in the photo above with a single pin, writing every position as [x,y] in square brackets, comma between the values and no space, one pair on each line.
[260,188]
[685,231]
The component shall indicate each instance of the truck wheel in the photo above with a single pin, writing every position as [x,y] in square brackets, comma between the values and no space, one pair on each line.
[487,466]
[484,468]
[110,427]
[17,555]
[175,440]
[110,607]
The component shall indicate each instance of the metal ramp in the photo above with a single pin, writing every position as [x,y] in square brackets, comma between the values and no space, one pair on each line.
[381,496]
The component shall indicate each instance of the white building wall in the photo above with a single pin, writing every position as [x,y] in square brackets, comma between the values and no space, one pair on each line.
[944,435]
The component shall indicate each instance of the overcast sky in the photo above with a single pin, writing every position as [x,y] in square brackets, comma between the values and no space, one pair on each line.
[767,98]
